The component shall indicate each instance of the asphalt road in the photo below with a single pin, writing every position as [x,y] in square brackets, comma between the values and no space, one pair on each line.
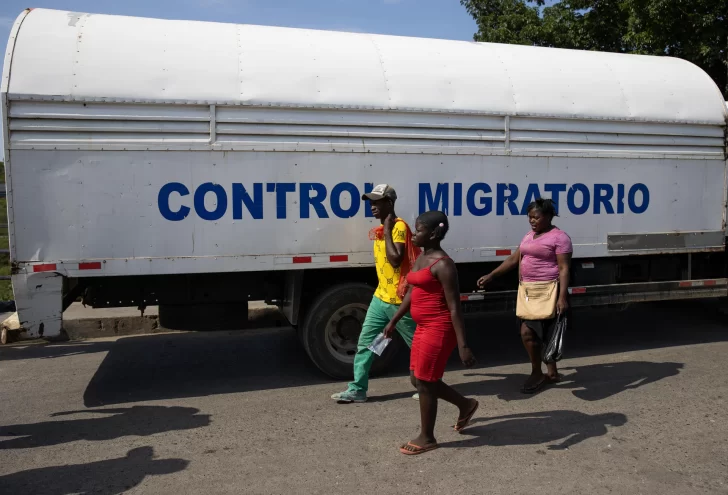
[642,409]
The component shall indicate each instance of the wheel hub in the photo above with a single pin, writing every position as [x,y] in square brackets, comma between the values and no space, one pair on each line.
[343,329]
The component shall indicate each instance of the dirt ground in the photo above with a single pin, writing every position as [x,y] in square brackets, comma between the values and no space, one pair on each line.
[641,409]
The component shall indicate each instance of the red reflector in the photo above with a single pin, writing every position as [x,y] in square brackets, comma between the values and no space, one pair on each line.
[503,252]
[302,259]
[51,267]
[463,298]
[89,266]
[339,258]
[578,290]
[686,284]
[710,282]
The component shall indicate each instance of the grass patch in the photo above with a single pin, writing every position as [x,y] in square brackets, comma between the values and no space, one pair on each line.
[6,291]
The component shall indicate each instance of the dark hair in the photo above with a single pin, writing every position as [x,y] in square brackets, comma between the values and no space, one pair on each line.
[545,206]
[436,222]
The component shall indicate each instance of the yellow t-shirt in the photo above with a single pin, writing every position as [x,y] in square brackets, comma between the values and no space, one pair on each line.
[388,275]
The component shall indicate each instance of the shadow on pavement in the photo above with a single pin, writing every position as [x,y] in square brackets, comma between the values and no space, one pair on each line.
[560,429]
[116,423]
[170,366]
[112,476]
[592,382]
[51,351]
[200,364]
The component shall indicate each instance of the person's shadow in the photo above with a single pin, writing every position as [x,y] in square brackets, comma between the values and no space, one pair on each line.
[112,476]
[599,381]
[561,429]
[591,382]
[119,422]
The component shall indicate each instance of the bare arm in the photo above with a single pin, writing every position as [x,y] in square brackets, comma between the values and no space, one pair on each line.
[509,264]
[564,261]
[447,275]
[403,310]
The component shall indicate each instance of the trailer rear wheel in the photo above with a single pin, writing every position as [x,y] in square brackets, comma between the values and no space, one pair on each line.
[331,329]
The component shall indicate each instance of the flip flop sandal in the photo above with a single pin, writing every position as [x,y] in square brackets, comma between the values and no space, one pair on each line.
[418,450]
[463,423]
[535,388]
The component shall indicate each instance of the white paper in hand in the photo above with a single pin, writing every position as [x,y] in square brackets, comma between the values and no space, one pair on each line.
[380,343]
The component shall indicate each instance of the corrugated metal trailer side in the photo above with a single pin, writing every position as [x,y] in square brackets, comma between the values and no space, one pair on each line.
[187,164]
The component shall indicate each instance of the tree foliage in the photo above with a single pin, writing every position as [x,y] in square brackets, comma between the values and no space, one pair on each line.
[695,30]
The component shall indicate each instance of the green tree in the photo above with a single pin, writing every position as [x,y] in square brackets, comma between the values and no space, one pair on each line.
[695,30]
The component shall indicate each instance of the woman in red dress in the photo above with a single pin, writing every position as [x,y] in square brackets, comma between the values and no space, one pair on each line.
[434,302]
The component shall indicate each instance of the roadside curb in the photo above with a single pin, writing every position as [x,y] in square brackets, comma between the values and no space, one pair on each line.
[82,327]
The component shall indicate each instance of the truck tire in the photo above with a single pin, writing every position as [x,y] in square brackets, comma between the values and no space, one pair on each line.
[331,329]
[200,317]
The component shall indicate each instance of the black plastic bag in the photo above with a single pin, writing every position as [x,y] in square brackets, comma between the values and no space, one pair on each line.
[554,350]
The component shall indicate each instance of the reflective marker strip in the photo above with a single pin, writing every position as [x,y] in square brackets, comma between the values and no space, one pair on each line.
[698,283]
[300,260]
[472,297]
[577,290]
[50,267]
[489,253]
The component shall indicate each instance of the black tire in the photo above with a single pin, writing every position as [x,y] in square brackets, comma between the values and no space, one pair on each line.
[199,317]
[339,311]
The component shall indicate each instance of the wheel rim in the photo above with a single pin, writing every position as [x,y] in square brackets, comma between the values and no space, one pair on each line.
[342,331]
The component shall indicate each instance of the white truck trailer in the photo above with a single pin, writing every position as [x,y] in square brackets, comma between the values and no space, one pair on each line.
[197,166]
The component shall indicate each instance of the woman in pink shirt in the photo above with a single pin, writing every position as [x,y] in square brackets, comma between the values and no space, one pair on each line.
[544,256]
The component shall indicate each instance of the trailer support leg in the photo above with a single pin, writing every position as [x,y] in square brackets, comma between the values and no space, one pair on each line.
[39,302]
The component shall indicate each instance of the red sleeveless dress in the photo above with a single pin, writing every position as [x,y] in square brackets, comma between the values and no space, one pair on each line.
[434,338]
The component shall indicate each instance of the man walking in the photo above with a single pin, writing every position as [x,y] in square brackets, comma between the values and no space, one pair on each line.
[394,254]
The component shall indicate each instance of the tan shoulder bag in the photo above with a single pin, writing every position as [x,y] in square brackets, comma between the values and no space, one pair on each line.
[536,300]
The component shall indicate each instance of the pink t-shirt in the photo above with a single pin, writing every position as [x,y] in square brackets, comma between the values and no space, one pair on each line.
[538,262]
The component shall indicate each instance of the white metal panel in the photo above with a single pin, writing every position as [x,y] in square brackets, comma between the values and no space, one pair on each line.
[64,125]
[306,67]
[452,75]
[356,117]
[100,205]
[86,57]
[105,111]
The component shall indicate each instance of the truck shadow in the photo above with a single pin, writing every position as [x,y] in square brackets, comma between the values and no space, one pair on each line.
[170,366]
[111,424]
[21,350]
[559,429]
[200,364]
[111,476]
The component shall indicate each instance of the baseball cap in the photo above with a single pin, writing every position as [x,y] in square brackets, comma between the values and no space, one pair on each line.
[381,191]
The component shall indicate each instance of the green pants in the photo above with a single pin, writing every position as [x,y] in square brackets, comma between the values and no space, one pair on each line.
[378,315]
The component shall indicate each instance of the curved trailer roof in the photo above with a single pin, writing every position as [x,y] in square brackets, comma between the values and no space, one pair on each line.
[89,57]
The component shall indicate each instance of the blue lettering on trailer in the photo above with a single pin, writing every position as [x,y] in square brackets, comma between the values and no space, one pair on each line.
[315,200]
